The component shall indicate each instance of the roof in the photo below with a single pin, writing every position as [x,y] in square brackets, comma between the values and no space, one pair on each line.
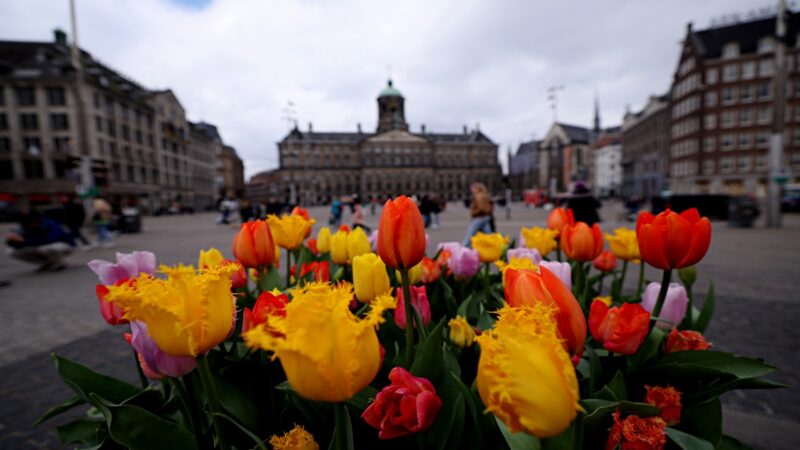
[390,91]
[527,147]
[353,137]
[576,133]
[710,42]
[209,129]
[607,139]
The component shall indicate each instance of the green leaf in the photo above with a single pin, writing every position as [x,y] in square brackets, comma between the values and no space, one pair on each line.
[595,369]
[694,364]
[429,360]
[449,298]
[343,431]
[708,310]
[731,443]
[238,404]
[361,400]
[615,390]
[703,420]
[563,441]
[474,412]
[687,441]
[518,441]
[259,442]
[304,257]
[80,431]
[137,428]
[86,382]
[446,431]
[649,349]
[597,409]
[56,410]
[272,280]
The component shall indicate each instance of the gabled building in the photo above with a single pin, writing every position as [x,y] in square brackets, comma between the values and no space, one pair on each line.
[523,168]
[564,156]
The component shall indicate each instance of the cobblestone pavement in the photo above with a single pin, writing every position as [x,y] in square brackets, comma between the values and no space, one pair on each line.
[755,271]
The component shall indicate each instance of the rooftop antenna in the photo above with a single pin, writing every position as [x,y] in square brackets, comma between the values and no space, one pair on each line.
[289,115]
[552,96]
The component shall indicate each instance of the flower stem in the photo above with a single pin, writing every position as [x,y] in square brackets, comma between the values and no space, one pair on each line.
[288,268]
[600,287]
[689,322]
[409,317]
[558,251]
[586,284]
[342,432]
[142,378]
[187,411]
[213,399]
[641,280]
[662,295]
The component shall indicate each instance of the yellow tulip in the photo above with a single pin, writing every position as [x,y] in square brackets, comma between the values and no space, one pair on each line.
[489,246]
[339,247]
[324,240]
[414,274]
[327,353]
[624,245]
[296,439]
[514,264]
[187,313]
[461,332]
[357,243]
[289,231]
[209,258]
[370,279]
[525,376]
[542,239]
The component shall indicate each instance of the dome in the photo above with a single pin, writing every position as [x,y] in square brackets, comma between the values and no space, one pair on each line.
[390,91]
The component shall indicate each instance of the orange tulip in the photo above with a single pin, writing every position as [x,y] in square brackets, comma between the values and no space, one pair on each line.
[620,329]
[559,218]
[430,270]
[673,241]
[529,287]
[253,245]
[605,262]
[580,242]
[401,234]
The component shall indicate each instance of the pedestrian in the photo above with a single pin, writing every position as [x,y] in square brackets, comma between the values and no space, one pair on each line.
[583,205]
[358,215]
[436,208]
[481,212]
[246,211]
[373,205]
[101,218]
[425,208]
[41,241]
[336,213]
[74,218]
[508,204]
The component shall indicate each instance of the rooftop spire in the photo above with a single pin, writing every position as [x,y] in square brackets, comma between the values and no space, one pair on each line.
[596,113]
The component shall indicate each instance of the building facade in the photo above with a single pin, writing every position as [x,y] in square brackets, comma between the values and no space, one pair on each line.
[62,131]
[231,171]
[645,149]
[318,166]
[722,105]
[564,157]
[523,168]
[607,173]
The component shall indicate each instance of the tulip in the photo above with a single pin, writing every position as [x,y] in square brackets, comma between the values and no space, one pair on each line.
[408,405]
[155,363]
[562,270]
[525,377]
[672,241]
[344,228]
[530,287]
[320,269]
[289,231]
[401,234]
[668,400]
[339,248]
[623,244]
[489,246]
[186,314]
[429,270]
[253,246]
[515,264]
[112,314]
[462,261]
[311,245]
[580,242]
[675,304]
[531,254]
[419,300]
[461,332]
[541,239]
[239,278]
[324,240]
[303,212]
[559,218]
[373,240]
[209,258]
[296,439]
[128,265]
[688,275]
[357,244]
[268,304]
[414,274]
[636,433]
[605,262]
[327,353]
[370,279]
[620,329]
[681,341]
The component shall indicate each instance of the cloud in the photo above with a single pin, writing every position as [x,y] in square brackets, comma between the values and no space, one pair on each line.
[237,63]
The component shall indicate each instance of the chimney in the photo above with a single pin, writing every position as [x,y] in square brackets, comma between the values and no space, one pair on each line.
[60,36]
[465,129]
[423,128]
[358,125]
[689,28]
[310,127]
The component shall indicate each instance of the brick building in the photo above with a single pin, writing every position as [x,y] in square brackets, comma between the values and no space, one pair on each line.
[645,149]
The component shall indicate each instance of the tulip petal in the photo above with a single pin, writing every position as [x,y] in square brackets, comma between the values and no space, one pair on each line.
[701,239]
[678,238]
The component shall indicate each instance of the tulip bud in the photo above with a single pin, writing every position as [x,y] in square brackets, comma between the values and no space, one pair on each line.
[339,247]
[668,400]
[369,277]
[673,241]
[419,300]
[296,439]
[605,262]
[430,270]
[209,258]
[559,218]
[688,275]
[401,234]
[581,242]
[461,332]
[620,329]
[408,405]
[253,245]
[675,304]
[324,240]
[357,243]
[489,246]
[681,341]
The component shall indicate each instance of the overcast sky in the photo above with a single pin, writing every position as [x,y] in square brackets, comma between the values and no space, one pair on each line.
[237,63]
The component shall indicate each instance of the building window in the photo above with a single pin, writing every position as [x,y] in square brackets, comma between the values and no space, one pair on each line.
[711,76]
[26,96]
[3,121]
[764,115]
[5,145]
[730,50]
[729,72]
[59,122]
[56,97]
[764,90]
[98,124]
[766,45]
[710,121]
[746,94]
[761,162]
[748,70]
[711,98]
[709,144]
[745,117]
[745,141]
[728,96]
[728,119]
[111,128]
[33,169]
[766,68]
[726,165]
[762,139]
[61,144]
[708,167]
[743,164]
[29,121]
[726,141]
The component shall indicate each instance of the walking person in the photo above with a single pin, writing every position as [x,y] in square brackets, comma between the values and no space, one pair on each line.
[74,218]
[41,241]
[101,218]
[358,215]
[437,206]
[426,209]
[583,205]
[480,209]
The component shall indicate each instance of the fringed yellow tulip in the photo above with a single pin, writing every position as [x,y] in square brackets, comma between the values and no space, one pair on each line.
[357,244]
[542,239]
[489,246]
[370,279]
[296,439]
[328,354]
[525,376]
[187,313]
[339,247]
[324,240]
[461,332]
[290,231]
[210,258]
[623,244]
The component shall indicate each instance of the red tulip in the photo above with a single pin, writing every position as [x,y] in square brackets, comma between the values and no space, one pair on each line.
[580,242]
[408,405]
[605,262]
[430,270]
[681,341]
[528,287]
[320,270]
[112,313]
[311,244]
[419,300]
[401,234]
[253,245]
[239,278]
[673,241]
[620,329]
[267,304]
[636,433]
[559,218]
[668,399]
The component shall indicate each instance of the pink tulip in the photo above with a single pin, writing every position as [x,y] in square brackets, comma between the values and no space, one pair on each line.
[675,304]
[128,265]
[155,363]
[419,300]
[525,253]
[561,269]
[464,262]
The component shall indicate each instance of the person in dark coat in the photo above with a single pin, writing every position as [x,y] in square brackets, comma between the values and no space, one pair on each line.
[583,205]
[74,218]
